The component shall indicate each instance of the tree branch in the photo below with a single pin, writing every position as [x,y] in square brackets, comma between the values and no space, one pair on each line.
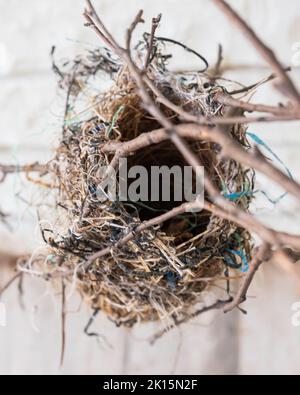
[287,86]
[262,254]
[5,170]
[230,148]
[155,24]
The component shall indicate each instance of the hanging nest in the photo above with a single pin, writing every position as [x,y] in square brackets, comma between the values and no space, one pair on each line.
[162,273]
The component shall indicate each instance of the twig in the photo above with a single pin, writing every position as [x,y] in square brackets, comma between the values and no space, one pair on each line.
[250,107]
[155,24]
[92,17]
[230,148]
[186,207]
[219,305]
[235,215]
[240,217]
[5,170]
[286,261]
[69,91]
[253,86]
[287,86]
[262,254]
[217,69]
[10,282]
[282,114]
[3,216]
[138,19]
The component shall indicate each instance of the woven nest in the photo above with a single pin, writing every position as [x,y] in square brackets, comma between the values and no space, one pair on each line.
[164,270]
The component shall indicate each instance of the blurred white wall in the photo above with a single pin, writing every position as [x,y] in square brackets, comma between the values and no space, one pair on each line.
[263,342]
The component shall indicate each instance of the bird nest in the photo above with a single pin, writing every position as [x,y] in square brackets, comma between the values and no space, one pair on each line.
[161,272]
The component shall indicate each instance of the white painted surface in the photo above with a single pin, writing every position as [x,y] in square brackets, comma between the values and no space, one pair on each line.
[263,342]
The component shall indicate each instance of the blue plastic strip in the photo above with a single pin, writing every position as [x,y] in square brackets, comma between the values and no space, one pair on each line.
[238,195]
[245,264]
[260,142]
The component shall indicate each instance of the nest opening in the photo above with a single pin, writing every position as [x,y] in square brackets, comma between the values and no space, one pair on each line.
[165,155]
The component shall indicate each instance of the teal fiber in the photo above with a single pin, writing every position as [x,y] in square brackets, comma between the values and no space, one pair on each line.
[238,195]
[245,266]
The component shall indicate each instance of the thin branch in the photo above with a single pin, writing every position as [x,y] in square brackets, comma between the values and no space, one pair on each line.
[230,148]
[3,216]
[287,86]
[66,112]
[283,114]
[10,282]
[91,23]
[219,305]
[92,17]
[5,170]
[262,254]
[217,69]
[286,261]
[138,19]
[250,107]
[155,24]
[240,217]
[256,85]
[239,120]
[186,207]
[235,215]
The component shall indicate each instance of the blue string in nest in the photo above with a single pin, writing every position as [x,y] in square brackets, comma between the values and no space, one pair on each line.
[237,195]
[244,267]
